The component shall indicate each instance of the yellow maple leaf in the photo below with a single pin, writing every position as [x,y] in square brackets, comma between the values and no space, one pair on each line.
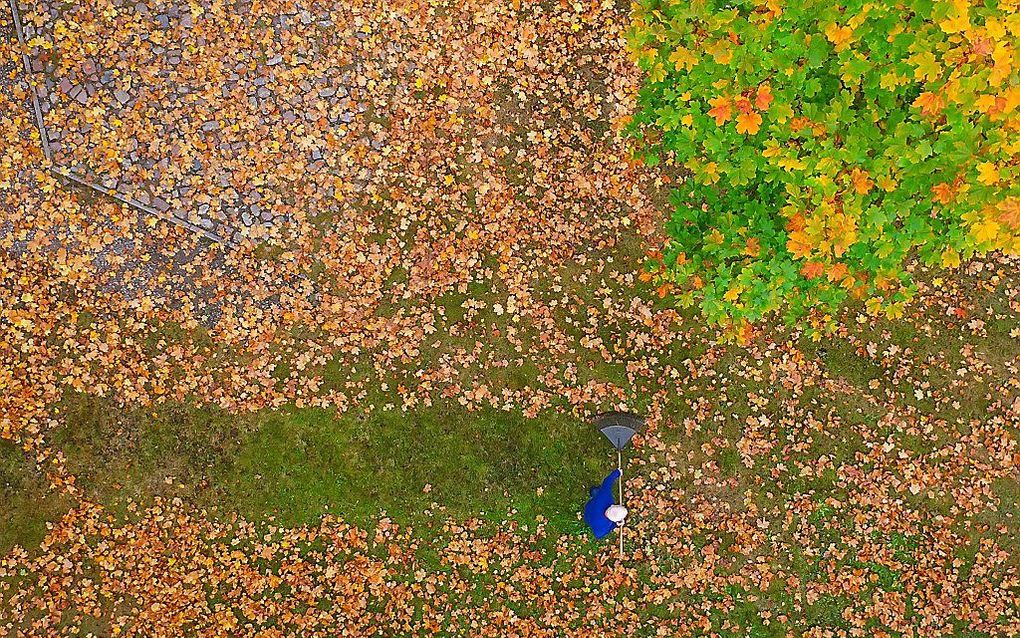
[950,258]
[861,181]
[1013,24]
[985,231]
[657,73]
[926,67]
[791,164]
[1002,58]
[894,311]
[985,103]
[988,174]
[956,24]
[891,80]
[839,36]
[39,41]
[721,50]
[682,58]
[710,173]
[873,305]
[995,29]
[888,184]
[958,18]
[1011,97]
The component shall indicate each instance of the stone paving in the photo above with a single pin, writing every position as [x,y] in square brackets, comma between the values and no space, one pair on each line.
[222,135]
[136,265]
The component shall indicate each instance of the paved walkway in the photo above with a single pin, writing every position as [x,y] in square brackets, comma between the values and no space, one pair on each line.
[137,264]
[190,164]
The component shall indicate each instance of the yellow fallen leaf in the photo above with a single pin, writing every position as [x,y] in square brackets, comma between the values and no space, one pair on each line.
[988,174]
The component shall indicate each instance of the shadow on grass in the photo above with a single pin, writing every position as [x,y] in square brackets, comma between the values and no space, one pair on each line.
[296,464]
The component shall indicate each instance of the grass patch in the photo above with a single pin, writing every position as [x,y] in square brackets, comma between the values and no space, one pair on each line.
[842,361]
[296,464]
[26,501]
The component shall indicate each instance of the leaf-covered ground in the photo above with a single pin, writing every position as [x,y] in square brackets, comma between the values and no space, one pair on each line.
[369,419]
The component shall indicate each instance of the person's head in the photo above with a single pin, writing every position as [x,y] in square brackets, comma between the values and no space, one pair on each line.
[616,513]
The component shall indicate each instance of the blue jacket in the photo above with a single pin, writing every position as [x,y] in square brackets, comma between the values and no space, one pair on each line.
[595,508]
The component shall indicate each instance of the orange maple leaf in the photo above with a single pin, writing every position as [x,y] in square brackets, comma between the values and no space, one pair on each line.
[721,109]
[929,103]
[797,222]
[942,193]
[764,97]
[861,181]
[798,124]
[1009,212]
[982,46]
[745,333]
[839,36]
[748,123]
[799,244]
[813,269]
[838,271]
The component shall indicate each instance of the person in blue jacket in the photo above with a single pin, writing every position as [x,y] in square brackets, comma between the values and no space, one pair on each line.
[601,512]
